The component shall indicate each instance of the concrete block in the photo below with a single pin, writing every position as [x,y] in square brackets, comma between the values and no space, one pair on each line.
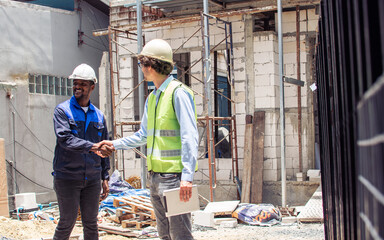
[265,91]
[265,68]
[275,142]
[219,220]
[224,163]
[313,25]
[203,218]
[270,129]
[268,164]
[270,175]
[125,61]
[240,119]
[313,173]
[289,162]
[240,108]
[289,47]
[290,90]
[315,179]
[238,27]
[263,57]
[238,37]
[290,70]
[128,49]
[301,176]
[263,46]
[265,102]
[229,224]
[193,42]
[26,200]
[223,174]
[239,52]
[239,75]
[289,16]
[262,80]
[176,43]
[292,152]
[240,95]
[268,141]
[270,152]
[289,58]
[288,27]
[189,31]
[291,102]
[312,14]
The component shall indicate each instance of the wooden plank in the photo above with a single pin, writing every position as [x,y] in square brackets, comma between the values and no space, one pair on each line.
[123,210]
[139,203]
[258,157]
[246,182]
[117,230]
[4,209]
[137,223]
[142,198]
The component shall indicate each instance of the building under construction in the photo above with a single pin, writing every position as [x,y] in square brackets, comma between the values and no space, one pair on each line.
[227,52]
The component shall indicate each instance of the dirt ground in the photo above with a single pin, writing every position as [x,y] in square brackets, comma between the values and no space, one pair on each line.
[11,229]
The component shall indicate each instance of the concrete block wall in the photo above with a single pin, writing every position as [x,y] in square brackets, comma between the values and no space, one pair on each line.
[175,36]
[308,24]
[266,90]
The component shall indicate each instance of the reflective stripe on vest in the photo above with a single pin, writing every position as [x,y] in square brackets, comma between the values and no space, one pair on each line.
[164,153]
[163,132]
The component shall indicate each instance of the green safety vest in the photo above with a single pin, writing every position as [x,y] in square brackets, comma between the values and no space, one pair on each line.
[163,132]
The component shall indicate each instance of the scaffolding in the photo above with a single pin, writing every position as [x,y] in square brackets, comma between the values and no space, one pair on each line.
[208,121]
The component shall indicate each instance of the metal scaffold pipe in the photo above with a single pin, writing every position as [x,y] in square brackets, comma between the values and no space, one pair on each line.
[282,117]
[141,87]
[207,81]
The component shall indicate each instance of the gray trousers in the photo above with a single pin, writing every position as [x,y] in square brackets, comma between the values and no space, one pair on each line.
[169,228]
[70,195]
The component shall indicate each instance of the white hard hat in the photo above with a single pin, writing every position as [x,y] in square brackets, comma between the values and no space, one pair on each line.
[158,49]
[84,72]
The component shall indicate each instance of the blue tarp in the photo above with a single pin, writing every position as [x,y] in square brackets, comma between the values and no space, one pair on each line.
[119,188]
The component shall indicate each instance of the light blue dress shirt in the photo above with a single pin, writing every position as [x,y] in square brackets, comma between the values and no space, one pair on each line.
[185,113]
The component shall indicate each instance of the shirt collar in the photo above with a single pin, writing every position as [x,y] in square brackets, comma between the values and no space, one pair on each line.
[164,85]
[76,104]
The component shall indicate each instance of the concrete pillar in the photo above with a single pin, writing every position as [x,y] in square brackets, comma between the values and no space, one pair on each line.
[4,208]
[104,90]
[249,64]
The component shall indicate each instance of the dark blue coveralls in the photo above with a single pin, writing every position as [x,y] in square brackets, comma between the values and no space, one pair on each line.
[77,171]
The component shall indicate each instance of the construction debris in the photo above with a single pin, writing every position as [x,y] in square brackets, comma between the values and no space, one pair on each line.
[134,211]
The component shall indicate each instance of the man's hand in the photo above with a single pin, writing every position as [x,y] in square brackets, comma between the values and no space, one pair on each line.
[185,191]
[103,148]
[105,186]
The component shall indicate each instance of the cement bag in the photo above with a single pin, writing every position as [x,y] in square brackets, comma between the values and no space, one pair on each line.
[258,214]
[116,184]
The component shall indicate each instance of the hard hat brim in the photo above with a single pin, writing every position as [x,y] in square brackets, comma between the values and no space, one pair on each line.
[154,57]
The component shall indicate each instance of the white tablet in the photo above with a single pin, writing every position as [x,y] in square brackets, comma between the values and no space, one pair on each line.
[173,205]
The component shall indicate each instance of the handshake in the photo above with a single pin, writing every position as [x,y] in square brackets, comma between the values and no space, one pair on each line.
[103,148]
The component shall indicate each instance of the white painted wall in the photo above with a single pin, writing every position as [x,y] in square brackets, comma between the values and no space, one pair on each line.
[40,40]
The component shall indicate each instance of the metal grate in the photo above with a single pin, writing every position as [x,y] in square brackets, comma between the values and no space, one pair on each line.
[349,68]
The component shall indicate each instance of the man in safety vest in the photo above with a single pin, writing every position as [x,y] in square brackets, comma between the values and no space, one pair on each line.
[169,129]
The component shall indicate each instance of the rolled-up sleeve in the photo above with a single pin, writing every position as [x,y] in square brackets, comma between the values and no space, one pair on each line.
[185,112]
